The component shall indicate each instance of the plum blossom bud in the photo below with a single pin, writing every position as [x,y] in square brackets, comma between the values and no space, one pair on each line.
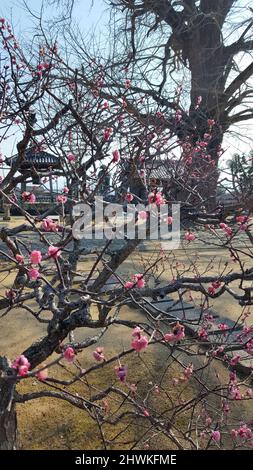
[69,354]
[121,372]
[33,274]
[28,197]
[98,354]
[35,257]
[54,251]
[216,436]
[115,156]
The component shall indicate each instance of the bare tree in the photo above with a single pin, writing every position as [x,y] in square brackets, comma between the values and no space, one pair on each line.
[198,45]
[86,116]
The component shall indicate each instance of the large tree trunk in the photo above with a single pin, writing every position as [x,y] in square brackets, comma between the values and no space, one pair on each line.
[8,417]
[207,64]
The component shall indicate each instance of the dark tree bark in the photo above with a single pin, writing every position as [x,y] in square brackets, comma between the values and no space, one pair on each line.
[8,417]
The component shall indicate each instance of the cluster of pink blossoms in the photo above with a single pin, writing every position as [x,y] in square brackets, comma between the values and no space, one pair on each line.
[226,229]
[249,347]
[177,334]
[187,373]
[235,360]
[234,391]
[202,333]
[156,198]
[189,236]
[137,281]
[41,67]
[61,198]
[22,365]
[243,432]
[139,342]
[28,197]
[54,252]
[36,258]
[214,286]
[49,225]
[243,221]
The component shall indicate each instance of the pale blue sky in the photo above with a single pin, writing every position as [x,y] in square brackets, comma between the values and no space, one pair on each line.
[84,13]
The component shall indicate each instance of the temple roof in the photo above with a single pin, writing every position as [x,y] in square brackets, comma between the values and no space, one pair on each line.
[161,169]
[36,158]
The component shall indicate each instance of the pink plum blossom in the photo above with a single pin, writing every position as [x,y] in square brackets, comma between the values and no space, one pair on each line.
[42,374]
[28,197]
[139,343]
[156,198]
[235,360]
[115,156]
[241,219]
[19,258]
[129,285]
[33,274]
[61,198]
[202,333]
[35,257]
[143,215]
[189,236]
[54,251]
[49,225]
[137,332]
[177,333]
[216,436]
[121,372]
[22,365]
[69,354]
[71,157]
[168,337]
[188,371]
[137,281]
[107,133]
[98,354]
[129,197]
[105,105]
